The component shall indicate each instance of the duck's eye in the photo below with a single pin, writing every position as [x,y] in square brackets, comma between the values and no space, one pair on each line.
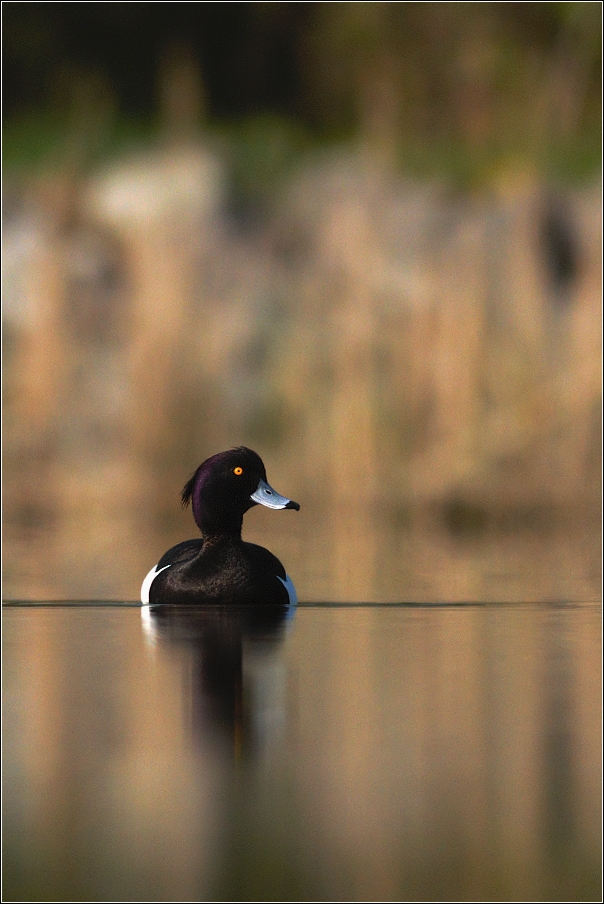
[238,470]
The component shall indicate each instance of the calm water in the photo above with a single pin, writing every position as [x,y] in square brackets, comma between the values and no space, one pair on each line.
[447,752]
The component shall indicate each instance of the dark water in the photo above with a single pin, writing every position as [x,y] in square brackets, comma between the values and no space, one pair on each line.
[448,752]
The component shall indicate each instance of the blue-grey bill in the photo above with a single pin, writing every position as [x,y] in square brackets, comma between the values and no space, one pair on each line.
[265,495]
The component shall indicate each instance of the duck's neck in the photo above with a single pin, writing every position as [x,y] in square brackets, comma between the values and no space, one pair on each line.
[215,518]
[221,530]
[215,539]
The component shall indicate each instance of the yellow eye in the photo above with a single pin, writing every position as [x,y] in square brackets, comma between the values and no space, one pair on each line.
[237,471]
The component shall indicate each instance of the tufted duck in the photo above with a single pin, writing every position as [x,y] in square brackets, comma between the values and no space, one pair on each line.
[219,568]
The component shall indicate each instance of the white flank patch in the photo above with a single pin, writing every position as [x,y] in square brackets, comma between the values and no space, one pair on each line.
[146,586]
[291,590]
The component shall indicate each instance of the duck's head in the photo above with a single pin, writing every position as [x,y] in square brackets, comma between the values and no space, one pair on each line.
[225,486]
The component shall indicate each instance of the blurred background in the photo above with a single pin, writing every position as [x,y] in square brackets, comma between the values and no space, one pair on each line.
[362,238]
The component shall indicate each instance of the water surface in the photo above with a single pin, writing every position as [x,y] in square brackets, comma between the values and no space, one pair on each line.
[446,752]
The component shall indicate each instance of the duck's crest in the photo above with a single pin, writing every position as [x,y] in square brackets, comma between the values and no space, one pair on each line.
[187,491]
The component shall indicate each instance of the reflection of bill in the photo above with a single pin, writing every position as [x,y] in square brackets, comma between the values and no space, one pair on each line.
[238,683]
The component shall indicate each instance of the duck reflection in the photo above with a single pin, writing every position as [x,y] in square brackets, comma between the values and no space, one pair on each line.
[237,687]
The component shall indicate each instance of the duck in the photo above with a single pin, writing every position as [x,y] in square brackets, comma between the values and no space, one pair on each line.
[219,568]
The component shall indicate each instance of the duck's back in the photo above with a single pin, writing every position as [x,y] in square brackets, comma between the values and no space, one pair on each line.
[235,573]
[182,552]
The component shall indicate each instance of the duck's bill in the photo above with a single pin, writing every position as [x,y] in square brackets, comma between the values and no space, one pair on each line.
[265,495]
